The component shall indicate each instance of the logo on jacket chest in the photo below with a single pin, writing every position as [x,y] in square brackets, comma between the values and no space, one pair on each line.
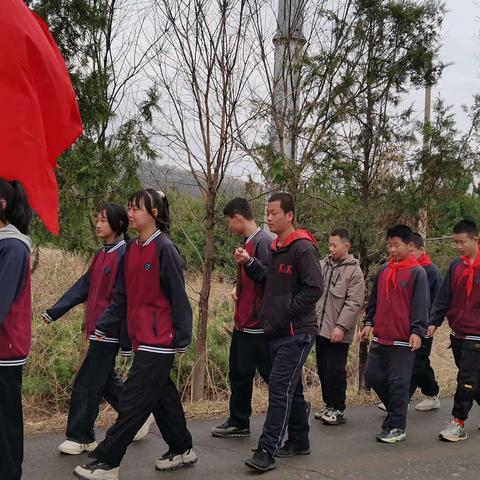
[107,269]
[285,268]
[404,284]
[147,266]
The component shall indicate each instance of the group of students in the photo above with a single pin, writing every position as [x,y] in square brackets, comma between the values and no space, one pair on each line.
[286,300]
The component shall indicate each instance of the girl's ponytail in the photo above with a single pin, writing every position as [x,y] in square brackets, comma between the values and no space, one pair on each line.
[17,211]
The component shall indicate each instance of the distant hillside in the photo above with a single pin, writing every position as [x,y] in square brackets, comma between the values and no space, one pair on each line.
[162,176]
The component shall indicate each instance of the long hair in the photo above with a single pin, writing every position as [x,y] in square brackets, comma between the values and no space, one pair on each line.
[151,199]
[17,211]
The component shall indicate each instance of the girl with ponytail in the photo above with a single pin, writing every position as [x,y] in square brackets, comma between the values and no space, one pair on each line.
[97,378]
[15,322]
[153,298]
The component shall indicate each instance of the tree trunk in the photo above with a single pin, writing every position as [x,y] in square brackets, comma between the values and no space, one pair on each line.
[200,369]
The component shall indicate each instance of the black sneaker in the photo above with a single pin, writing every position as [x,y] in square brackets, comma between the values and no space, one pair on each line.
[289,449]
[261,461]
[227,430]
[96,471]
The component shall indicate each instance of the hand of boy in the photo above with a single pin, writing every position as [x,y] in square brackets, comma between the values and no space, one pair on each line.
[364,334]
[233,294]
[431,330]
[337,335]
[415,342]
[241,256]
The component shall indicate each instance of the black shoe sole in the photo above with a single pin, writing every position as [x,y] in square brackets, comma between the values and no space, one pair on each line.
[231,435]
[256,467]
[293,454]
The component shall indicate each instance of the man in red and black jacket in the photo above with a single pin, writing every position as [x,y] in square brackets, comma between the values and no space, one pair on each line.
[293,284]
[459,300]
[248,351]
[398,314]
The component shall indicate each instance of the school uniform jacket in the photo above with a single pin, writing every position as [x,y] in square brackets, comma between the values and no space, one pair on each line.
[151,293]
[15,297]
[463,313]
[293,284]
[96,288]
[248,305]
[401,311]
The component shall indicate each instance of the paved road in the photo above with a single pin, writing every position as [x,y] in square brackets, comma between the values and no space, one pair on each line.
[345,452]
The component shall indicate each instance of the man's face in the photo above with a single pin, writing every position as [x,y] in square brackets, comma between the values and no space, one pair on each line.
[235,224]
[465,244]
[338,248]
[278,221]
[398,249]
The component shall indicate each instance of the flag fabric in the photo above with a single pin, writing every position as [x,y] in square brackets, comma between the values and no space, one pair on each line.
[39,115]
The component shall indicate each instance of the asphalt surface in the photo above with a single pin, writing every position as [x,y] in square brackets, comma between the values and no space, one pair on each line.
[343,452]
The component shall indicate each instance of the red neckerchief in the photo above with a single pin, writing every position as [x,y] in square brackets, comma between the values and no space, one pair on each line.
[394,267]
[469,273]
[424,260]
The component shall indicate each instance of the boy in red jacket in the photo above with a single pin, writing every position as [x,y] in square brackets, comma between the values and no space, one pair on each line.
[459,300]
[397,313]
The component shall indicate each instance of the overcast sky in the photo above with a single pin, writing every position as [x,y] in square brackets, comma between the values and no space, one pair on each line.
[461,46]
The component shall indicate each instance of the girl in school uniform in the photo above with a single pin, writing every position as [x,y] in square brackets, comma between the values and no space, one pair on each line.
[97,378]
[152,295]
[15,322]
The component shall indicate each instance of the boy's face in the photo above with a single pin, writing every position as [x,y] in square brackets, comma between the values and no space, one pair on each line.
[399,250]
[465,244]
[338,248]
[415,251]
[236,224]
[278,221]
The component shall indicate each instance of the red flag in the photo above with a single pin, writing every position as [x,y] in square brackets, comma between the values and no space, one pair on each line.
[39,116]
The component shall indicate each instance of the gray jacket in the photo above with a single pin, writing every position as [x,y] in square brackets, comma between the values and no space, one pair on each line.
[343,297]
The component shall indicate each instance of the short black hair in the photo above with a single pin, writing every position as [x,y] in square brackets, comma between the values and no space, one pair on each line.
[417,240]
[287,203]
[342,233]
[404,232]
[466,226]
[238,206]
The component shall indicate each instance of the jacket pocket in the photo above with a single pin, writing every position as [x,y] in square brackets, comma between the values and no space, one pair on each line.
[154,324]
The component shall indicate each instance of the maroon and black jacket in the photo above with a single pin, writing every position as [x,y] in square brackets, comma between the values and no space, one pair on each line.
[248,305]
[293,284]
[96,288]
[463,313]
[151,293]
[15,299]
[403,309]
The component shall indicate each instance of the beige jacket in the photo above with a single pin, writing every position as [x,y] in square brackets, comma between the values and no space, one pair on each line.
[343,297]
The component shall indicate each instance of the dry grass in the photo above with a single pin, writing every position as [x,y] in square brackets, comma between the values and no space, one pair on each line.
[57,271]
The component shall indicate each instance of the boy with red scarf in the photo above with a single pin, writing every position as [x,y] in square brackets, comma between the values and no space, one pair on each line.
[397,313]
[459,300]
[423,376]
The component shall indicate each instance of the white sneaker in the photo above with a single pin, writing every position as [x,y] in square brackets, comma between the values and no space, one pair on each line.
[96,471]
[74,448]
[381,406]
[173,461]
[454,432]
[429,403]
[318,415]
[143,432]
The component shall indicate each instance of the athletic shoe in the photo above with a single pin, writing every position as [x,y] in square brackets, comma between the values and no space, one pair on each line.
[318,415]
[454,432]
[382,407]
[334,417]
[429,403]
[96,471]
[261,461]
[70,447]
[227,430]
[391,436]
[173,461]
[289,449]
[145,429]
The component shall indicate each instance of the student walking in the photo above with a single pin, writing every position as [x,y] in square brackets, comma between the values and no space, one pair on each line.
[459,300]
[248,350]
[337,311]
[397,312]
[293,284]
[15,322]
